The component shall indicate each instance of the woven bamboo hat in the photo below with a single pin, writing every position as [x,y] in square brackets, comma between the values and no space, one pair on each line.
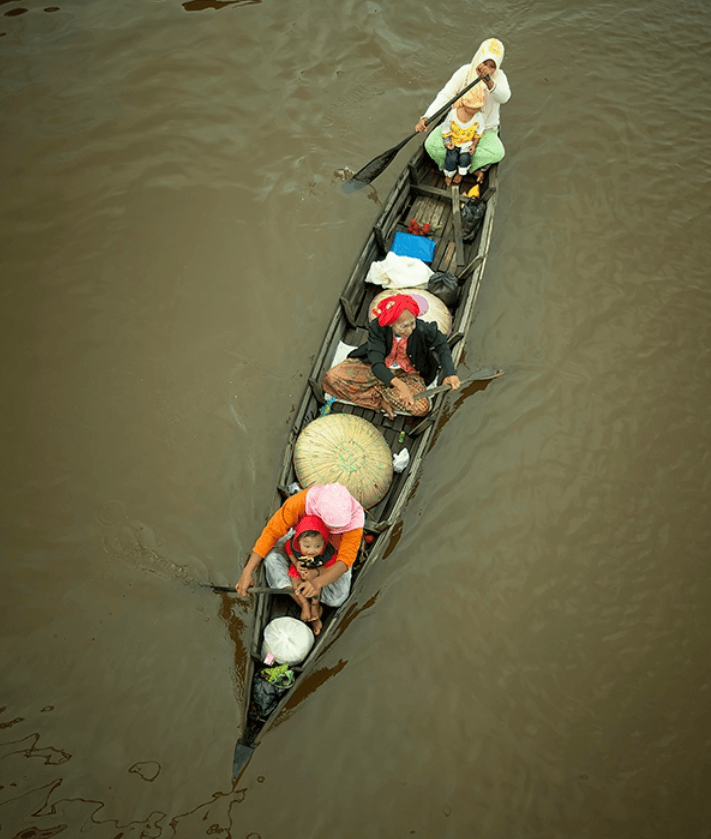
[431,307]
[345,449]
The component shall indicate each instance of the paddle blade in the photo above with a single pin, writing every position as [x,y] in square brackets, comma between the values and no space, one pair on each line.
[486,373]
[481,376]
[241,759]
[371,170]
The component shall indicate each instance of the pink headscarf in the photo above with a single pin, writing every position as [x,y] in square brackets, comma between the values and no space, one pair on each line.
[336,506]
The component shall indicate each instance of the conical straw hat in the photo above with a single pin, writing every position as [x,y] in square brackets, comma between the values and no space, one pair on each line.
[345,449]
[431,307]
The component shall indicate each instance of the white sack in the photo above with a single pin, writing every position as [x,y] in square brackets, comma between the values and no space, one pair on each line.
[399,272]
[289,639]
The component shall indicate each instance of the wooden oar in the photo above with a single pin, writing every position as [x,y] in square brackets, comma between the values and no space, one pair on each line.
[480,377]
[379,164]
[254,590]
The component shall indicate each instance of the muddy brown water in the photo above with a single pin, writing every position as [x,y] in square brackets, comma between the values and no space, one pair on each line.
[531,659]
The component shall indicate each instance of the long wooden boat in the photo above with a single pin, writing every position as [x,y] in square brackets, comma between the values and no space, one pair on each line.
[420,193]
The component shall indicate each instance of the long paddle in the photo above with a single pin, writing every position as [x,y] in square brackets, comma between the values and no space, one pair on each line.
[379,164]
[253,590]
[483,376]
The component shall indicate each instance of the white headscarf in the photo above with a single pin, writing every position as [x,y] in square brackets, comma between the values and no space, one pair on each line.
[492,49]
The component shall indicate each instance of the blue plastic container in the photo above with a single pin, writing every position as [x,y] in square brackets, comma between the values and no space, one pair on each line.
[407,244]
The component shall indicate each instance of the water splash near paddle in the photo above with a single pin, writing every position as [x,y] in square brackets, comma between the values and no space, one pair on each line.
[350,184]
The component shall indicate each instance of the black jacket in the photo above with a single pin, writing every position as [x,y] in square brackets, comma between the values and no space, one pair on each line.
[425,346]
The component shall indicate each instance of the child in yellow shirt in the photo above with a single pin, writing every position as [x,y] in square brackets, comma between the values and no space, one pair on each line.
[461,131]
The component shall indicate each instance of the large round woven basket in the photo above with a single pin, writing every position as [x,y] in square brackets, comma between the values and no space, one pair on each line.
[344,449]
[431,307]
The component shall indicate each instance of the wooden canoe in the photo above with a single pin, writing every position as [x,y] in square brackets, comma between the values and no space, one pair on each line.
[420,193]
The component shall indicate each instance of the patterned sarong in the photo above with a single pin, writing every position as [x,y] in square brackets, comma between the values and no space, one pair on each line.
[353,381]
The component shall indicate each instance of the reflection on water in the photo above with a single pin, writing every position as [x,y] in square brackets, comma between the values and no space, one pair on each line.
[200,5]
[51,814]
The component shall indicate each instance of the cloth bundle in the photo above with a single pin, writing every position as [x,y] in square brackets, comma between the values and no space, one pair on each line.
[399,272]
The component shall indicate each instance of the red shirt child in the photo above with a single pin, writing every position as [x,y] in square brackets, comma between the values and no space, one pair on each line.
[308,549]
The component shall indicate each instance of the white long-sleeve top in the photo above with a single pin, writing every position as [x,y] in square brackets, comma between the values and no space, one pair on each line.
[498,95]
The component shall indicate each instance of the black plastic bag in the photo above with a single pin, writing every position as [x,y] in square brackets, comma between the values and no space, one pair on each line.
[445,286]
[472,214]
[268,687]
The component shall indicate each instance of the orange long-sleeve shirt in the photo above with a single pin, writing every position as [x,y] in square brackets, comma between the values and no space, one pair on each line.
[289,515]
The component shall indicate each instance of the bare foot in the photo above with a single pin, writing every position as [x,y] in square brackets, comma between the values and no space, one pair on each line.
[479,175]
[306,613]
[448,182]
[457,178]
[316,625]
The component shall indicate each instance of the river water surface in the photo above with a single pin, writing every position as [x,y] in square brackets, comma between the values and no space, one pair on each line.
[531,659]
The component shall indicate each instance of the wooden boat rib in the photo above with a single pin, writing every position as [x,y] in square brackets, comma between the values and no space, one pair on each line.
[419,192]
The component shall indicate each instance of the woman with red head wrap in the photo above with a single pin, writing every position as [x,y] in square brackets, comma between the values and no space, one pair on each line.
[390,309]
[402,353]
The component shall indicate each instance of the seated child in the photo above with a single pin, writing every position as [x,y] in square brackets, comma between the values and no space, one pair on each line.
[461,131]
[309,550]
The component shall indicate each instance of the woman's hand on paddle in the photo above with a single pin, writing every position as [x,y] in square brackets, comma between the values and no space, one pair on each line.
[404,393]
[483,71]
[246,579]
[245,582]
[307,588]
[421,125]
[452,381]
